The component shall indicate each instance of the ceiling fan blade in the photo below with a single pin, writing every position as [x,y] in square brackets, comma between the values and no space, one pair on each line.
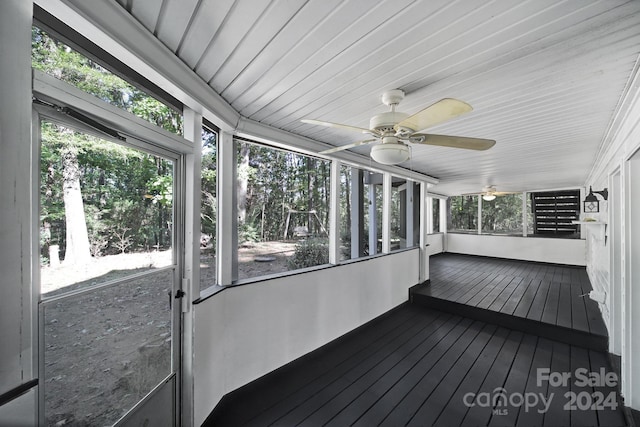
[346,147]
[452,141]
[338,126]
[441,111]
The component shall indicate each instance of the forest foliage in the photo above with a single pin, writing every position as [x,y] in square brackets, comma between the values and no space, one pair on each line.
[503,215]
[126,194]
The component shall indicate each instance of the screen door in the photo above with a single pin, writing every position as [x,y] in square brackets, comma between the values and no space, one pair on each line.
[108,313]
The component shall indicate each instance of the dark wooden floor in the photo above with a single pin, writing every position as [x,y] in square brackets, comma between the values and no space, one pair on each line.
[414,367]
[549,300]
[420,366]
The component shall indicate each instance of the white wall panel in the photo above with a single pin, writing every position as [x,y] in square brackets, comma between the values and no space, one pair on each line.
[436,243]
[557,251]
[247,331]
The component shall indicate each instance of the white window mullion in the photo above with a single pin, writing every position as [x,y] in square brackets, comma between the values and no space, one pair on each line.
[373,220]
[429,213]
[193,133]
[409,235]
[525,230]
[334,214]
[479,214]
[386,213]
[425,217]
[226,185]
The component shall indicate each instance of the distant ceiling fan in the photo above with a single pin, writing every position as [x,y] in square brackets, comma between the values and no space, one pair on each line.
[489,193]
[394,129]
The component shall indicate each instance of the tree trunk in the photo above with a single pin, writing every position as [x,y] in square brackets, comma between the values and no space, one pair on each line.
[77,249]
[309,166]
[243,182]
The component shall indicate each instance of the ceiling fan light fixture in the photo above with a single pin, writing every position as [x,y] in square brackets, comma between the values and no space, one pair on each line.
[488,197]
[390,154]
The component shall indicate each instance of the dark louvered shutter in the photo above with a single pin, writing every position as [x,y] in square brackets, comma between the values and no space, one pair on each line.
[553,212]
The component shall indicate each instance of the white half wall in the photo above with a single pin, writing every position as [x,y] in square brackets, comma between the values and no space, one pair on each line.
[557,251]
[247,331]
[436,243]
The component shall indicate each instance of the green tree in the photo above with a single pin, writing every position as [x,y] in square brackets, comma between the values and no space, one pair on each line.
[103,186]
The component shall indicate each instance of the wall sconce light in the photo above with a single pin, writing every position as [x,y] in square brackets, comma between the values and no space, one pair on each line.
[591,203]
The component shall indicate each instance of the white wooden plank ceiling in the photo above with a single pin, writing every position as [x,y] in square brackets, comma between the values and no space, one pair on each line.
[545,77]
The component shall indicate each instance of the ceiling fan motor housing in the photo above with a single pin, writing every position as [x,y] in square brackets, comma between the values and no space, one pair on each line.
[386,121]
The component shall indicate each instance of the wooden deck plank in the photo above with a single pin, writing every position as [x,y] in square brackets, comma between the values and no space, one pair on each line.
[564,305]
[587,418]
[515,382]
[528,297]
[358,406]
[550,311]
[533,415]
[479,296]
[456,288]
[505,295]
[441,392]
[578,310]
[481,415]
[516,296]
[493,294]
[471,289]
[537,306]
[425,384]
[456,409]
[447,285]
[560,363]
[403,387]
[322,410]
[609,414]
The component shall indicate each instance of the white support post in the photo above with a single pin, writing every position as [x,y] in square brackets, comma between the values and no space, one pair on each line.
[429,213]
[479,214]
[19,241]
[357,215]
[193,162]
[525,213]
[226,253]
[334,212]
[373,220]
[409,214]
[386,212]
[193,133]
[425,208]
[443,223]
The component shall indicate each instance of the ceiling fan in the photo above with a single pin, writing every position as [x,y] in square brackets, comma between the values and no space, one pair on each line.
[489,193]
[395,129]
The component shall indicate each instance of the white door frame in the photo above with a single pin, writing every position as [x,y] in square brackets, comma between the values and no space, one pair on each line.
[142,135]
[616,273]
[631,296]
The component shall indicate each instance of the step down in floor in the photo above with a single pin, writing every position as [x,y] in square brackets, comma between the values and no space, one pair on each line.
[542,329]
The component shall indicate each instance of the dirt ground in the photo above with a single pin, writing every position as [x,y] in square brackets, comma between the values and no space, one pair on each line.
[254,260]
[106,349]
